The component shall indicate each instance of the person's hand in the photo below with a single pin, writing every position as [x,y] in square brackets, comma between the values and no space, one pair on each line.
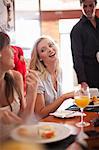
[69,95]
[32,79]
[84,85]
[9,117]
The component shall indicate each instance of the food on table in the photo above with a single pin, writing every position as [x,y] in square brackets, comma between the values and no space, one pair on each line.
[46,132]
[24,132]
[94,100]
[37,132]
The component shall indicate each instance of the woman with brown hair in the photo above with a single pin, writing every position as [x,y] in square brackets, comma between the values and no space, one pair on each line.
[14,109]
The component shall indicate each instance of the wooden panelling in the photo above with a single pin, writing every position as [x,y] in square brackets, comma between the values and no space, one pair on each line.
[56,15]
[50,21]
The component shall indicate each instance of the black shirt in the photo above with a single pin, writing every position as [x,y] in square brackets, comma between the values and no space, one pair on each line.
[84,46]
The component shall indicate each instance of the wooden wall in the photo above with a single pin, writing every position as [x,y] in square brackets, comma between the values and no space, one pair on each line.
[50,21]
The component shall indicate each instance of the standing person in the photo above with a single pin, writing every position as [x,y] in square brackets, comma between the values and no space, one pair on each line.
[14,109]
[85,45]
[44,60]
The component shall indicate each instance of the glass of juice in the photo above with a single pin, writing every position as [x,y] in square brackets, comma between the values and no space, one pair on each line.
[82,99]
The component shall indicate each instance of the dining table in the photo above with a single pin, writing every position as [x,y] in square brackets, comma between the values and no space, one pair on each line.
[75,140]
[70,143]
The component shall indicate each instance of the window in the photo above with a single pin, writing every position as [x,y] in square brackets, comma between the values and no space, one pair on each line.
[69,76]
[27,25]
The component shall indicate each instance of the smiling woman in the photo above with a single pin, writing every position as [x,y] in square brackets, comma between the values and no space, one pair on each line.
[45,61]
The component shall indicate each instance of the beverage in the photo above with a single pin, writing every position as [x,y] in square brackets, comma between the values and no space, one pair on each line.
[82,101]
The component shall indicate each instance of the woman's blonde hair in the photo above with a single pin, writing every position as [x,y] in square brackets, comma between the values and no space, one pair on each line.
[35,62]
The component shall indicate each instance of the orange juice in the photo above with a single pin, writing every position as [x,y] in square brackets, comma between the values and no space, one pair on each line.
[82,101]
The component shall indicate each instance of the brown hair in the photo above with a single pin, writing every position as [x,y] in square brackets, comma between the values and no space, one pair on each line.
[10,83]
[81,1]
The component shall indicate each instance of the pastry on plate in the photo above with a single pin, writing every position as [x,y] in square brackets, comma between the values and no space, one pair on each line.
[46,131]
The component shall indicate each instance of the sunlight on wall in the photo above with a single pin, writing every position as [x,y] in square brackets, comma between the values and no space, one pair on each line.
[27,31]
[69,75]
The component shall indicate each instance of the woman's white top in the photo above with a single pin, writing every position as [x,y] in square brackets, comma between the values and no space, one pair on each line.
[46,87]
[5,129]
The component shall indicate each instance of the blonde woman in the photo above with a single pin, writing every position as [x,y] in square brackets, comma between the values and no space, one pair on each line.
[44,60]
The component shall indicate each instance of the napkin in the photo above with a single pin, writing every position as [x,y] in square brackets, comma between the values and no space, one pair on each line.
[66,104]
[66,113]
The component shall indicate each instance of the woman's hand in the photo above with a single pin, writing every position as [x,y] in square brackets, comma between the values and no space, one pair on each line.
[9,117]
[69,95]
[32,79]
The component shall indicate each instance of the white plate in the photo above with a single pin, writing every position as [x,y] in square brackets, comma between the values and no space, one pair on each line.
[61,132]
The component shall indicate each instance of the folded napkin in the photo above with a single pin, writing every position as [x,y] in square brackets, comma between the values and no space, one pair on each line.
[66,104]
[66,113]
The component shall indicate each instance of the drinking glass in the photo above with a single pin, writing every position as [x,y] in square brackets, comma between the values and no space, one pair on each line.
[82,99]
